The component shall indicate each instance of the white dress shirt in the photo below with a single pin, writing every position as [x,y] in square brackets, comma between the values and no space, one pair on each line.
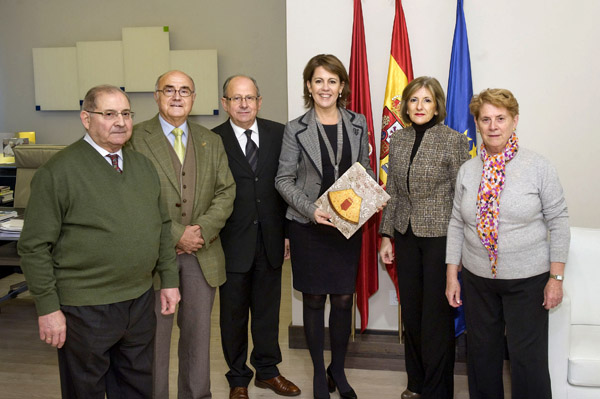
[241,136]
[103,152]
[168,131]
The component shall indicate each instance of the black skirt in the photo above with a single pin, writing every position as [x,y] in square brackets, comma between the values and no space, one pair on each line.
[323,260]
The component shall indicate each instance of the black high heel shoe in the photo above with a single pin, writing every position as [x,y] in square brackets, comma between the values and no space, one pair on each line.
[331,385]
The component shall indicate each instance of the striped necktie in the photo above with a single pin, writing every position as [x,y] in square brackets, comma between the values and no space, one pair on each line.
[114,160]
[251,151]
[178,144]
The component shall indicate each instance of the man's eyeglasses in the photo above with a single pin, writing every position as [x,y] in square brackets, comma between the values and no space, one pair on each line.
[238,99]
[170,91]
[111,115]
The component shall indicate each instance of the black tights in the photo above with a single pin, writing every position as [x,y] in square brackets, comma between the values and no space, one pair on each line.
[340,324]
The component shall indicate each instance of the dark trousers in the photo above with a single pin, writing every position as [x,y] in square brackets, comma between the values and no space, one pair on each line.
[427,316]
[493,307]
[109,349]
[256,292]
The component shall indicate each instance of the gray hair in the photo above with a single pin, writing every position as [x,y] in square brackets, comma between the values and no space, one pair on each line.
[174,70]
[229,79]
[89,102]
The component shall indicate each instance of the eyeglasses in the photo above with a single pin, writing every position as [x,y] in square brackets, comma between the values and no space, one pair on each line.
[170,91]
[238,99]
[111,115]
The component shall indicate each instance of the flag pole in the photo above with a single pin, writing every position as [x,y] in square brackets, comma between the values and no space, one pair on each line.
[353,330]
[400,324]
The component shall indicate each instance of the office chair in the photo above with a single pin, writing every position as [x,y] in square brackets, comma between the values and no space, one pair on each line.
[28,158]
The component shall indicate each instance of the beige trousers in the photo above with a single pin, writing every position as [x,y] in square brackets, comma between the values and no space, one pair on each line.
[193,320]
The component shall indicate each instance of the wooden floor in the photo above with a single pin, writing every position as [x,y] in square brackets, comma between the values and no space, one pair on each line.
[28,367]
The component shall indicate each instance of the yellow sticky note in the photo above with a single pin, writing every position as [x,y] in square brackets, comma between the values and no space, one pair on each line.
[27,135]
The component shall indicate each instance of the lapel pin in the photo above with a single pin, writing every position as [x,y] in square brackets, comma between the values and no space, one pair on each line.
[356,131]
[203,143]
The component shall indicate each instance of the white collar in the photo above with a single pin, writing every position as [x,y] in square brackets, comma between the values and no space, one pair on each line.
[239,132]
[101,150]
[168,128]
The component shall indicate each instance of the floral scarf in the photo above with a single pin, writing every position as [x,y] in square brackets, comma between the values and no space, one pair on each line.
[488,197]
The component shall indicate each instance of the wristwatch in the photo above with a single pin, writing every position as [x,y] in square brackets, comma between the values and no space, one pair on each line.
[558,277]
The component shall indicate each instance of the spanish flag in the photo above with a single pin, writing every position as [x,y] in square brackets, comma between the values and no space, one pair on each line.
[400,73]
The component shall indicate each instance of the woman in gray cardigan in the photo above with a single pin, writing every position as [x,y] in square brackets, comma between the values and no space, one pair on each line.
[317,148]
[510,231]
[424,160]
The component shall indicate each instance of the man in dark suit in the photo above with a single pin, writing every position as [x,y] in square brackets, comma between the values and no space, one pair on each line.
[198,190]
[254,242]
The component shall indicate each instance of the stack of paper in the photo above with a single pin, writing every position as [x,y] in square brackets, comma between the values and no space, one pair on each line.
[5,215]
[12,227]
[6,194]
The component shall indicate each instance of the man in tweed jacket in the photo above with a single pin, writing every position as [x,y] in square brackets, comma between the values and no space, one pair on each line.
[199,191]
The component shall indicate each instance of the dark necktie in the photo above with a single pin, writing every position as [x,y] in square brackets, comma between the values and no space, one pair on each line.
[251,151]
[114,160]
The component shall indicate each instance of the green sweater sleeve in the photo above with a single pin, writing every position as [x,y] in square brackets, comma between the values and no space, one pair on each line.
[166,266]
[41,230]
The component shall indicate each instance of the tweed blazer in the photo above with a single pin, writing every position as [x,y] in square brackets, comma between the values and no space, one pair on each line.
[300,172]
[427,203]
[214,191]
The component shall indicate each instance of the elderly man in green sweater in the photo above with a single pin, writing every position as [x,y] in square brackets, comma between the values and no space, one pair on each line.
[95,233]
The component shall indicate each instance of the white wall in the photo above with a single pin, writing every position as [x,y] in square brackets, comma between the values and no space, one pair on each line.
[544,51]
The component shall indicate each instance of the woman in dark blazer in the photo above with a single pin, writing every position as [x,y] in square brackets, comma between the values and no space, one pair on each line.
[424,161]
[317,148]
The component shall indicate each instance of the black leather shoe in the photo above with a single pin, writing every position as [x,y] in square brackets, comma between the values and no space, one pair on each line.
[331,384]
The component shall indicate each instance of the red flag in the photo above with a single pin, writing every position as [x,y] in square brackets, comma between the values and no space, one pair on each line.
[367,280]
[399,75]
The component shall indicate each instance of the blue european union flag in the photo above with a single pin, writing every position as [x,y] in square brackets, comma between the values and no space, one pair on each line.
[460,91]
[460,84]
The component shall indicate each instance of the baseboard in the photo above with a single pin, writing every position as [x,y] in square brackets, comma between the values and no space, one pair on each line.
[376,350]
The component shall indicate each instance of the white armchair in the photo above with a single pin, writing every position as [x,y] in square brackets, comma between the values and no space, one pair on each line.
[574,326]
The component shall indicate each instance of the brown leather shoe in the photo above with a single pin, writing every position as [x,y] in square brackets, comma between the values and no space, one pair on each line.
[238,393]
[279,385]
[410,395]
